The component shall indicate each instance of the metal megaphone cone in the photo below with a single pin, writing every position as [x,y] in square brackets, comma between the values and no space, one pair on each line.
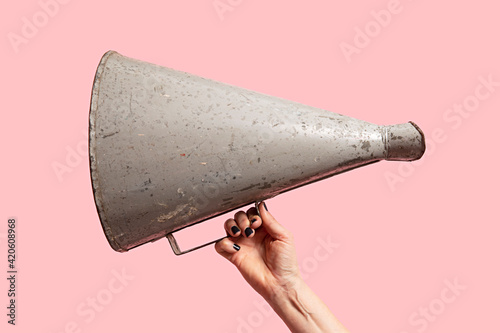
[169,149]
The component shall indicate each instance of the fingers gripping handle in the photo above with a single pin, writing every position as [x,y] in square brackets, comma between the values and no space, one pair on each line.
[176,248]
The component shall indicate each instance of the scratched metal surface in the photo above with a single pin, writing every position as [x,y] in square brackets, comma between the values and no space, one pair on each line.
[169,149]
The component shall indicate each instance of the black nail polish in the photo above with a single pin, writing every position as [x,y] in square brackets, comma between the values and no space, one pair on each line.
[253,220]
[236,247]
[265,207]
[235,229]
[248,232]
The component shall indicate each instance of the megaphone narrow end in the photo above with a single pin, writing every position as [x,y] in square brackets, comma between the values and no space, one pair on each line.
[404,142]
[422,140]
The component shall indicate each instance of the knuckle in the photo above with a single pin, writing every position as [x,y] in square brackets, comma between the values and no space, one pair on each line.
[239,215]
[252,211]
[218,247]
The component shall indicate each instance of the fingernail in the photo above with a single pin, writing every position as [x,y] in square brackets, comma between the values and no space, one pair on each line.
[248,231]
[253,220]
[265,207]
[235,229]
[236,247]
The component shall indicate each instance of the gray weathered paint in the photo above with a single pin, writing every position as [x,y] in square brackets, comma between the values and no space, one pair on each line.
[169,149]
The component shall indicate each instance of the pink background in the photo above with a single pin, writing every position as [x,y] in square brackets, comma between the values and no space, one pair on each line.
[397,243]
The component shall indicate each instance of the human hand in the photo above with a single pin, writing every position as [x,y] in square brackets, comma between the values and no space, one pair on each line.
[264,253]
[262,250]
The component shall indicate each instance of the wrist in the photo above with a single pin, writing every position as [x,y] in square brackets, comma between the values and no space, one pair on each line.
[286,294]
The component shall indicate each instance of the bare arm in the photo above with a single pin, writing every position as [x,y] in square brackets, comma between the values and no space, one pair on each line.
[302,311]
[266,259]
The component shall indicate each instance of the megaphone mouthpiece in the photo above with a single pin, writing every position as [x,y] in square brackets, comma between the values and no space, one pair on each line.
[404,142]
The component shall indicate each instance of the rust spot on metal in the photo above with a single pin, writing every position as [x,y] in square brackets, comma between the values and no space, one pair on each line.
[265,186]
[165,217]
[249,187]
[366,145]
[111,134]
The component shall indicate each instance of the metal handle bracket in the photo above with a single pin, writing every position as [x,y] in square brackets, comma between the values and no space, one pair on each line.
[176,248]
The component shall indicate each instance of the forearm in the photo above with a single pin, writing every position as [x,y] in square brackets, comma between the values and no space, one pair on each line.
[302,310]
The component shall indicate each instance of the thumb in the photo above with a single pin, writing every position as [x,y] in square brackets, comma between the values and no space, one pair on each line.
[273,228]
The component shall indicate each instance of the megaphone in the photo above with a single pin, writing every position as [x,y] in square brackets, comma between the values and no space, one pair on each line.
[169,149]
